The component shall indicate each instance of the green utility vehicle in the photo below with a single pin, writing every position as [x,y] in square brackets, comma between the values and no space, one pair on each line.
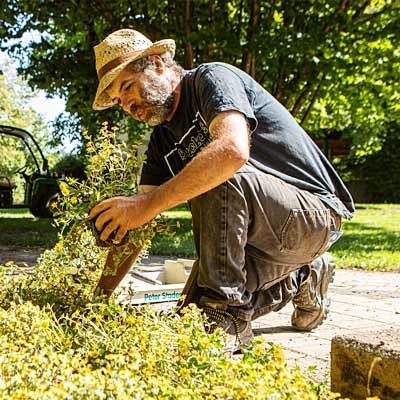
[41,188]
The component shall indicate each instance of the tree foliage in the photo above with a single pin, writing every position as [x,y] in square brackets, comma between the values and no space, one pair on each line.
[379,172]
[333,63]
[15,110]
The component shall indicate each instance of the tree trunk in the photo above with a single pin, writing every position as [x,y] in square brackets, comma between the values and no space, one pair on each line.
[174,12]
[209,51]
[249,58]
[360,10]
[239,22]
[301,99]
[312,101]
[342,7]
[278,87]
[188,63]
[90,34]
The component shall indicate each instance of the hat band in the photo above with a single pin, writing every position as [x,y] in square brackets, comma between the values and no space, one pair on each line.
[114,63]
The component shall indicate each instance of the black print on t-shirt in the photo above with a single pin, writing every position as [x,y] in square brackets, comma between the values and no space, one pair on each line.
[195,138]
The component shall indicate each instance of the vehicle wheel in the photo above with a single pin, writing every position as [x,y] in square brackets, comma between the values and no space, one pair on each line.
[42,207]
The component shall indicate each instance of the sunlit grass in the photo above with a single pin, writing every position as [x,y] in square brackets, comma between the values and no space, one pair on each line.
[18,227]
[370,241]
[181,244]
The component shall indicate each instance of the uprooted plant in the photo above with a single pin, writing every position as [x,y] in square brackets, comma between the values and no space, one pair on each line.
[65,276]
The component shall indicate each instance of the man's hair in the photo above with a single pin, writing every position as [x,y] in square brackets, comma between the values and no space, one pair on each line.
[147,63]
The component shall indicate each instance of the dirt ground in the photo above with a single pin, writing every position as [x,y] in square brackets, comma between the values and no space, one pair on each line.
[20,255]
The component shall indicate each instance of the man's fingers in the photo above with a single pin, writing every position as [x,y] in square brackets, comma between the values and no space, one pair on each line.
[111,215]
[102,219]
[111,227]
[121,234]
[99,208]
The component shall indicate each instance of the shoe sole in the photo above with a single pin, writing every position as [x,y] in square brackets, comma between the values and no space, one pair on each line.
[330,271]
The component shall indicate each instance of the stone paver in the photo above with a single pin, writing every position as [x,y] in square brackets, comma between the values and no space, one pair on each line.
[360,301]
[366,364]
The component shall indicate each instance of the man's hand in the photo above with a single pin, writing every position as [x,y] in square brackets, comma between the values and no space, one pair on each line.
[122,214]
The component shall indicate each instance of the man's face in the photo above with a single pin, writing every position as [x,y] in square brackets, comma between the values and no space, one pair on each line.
[146,96]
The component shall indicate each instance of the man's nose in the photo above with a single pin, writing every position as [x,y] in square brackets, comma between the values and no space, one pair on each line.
[124,103]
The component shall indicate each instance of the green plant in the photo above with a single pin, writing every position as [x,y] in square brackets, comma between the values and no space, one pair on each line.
[58,341]
[111,171]
[107,351]
[65,275]
[72,165]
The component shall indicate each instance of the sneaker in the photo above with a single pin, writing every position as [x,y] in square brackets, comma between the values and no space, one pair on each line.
[311,303]
[239,332]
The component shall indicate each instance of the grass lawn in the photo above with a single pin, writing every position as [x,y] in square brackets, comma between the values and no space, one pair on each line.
[370,241]
[18,227]
[181,244]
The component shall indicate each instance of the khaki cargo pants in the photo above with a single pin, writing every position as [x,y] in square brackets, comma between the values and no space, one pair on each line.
[253,234]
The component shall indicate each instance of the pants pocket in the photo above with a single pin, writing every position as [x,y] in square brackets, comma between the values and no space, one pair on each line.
[306,232]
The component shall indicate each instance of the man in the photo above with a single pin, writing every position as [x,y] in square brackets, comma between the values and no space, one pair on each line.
[265,201]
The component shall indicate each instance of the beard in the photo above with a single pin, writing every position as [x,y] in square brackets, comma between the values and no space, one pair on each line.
[158,101]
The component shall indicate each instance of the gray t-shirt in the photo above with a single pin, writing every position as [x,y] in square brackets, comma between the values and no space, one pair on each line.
[279,146]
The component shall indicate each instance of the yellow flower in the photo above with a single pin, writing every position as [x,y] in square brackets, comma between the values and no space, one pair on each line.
[58,247]
[184,372]
[259,349]
[64,188]
[278,355]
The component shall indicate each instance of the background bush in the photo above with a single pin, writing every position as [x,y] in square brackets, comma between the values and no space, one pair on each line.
[71,165]
[376,177]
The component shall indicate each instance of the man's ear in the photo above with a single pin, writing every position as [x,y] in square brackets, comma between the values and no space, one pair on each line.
[158,62]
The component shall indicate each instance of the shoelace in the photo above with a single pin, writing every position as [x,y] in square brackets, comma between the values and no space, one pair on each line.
[217,315]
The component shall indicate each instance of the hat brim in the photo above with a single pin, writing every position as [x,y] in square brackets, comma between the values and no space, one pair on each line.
[102,100]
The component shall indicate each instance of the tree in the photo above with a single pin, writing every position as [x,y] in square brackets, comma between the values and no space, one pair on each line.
[15,110]
[333,63]
[378,173]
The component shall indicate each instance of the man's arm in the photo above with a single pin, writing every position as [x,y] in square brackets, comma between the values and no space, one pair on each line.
[216,163]
[146,188]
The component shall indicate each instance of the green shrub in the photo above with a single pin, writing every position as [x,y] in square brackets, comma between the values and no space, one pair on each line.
[59,341]
[71,165]
[107,351]
[379,172]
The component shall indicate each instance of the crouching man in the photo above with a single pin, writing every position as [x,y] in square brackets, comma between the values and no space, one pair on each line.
[265,201]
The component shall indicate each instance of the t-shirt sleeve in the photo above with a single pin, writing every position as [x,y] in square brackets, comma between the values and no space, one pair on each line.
[220,89]
[154,171]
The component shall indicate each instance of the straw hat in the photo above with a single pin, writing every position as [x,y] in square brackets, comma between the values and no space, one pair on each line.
[115,52]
